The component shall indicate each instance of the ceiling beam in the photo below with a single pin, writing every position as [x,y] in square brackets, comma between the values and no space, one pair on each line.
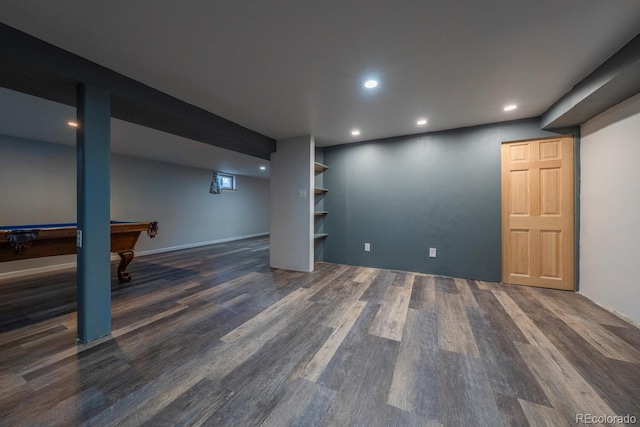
[30,65]
[617,79]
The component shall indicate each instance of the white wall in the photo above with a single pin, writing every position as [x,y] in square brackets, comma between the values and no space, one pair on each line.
[610,209]
[38,185]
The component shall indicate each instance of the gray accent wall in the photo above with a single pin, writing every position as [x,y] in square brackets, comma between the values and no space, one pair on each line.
[38,185]
[407,194]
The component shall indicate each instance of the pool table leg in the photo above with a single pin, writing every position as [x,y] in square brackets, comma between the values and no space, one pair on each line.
[125,259]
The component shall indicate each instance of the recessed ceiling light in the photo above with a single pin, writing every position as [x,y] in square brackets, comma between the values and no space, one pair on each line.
[262,168]
[421,122]
[73,124]
[510,107]
[370,84]
[355,132]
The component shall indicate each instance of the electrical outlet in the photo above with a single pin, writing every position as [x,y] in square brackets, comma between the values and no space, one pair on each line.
[432,252]
[367,247]
[302,193]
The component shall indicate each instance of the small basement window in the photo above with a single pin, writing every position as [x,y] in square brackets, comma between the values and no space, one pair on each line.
[227,182]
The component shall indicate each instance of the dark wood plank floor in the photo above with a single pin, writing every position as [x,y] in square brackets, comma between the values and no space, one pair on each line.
[213,336]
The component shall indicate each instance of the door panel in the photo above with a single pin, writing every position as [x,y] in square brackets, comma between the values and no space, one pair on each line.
[549,150]
[519,152]
[551,254]
[550,201]
[519,246]
[519,192]
[537,213]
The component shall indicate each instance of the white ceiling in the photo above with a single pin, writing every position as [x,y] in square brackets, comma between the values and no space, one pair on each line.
[286,68]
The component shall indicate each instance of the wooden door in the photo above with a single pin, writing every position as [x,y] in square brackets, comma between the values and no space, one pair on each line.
[537,213]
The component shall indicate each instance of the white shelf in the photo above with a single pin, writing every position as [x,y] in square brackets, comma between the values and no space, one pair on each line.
[319,167]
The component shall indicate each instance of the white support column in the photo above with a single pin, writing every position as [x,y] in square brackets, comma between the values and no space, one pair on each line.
[292,196]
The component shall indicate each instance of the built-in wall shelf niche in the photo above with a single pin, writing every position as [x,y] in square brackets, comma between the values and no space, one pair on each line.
[319,214]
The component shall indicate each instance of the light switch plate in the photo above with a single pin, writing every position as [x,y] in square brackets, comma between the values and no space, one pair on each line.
[78,238]
[432,252]
[367,247]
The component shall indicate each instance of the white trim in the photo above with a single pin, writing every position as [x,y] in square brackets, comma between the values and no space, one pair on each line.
[197,245]
[38,270]
[73,265]
[612,311]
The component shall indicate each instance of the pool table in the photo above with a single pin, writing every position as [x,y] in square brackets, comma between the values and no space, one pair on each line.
[42,240]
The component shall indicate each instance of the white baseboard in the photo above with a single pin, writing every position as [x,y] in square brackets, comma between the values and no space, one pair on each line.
[38,270]
[622,316]
[73,265]
[197,245]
